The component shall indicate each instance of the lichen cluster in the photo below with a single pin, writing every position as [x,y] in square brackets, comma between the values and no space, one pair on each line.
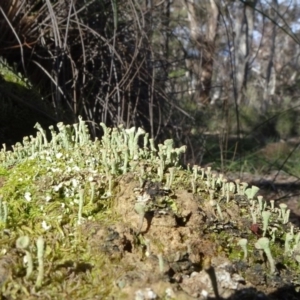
[269,224]
[58,183]
[54,184]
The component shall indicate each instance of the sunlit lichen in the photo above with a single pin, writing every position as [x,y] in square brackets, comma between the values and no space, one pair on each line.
[53,187]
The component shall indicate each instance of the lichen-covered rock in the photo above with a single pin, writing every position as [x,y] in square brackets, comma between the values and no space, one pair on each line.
[121,221]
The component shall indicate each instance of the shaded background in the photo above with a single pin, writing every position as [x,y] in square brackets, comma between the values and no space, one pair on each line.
[221,77]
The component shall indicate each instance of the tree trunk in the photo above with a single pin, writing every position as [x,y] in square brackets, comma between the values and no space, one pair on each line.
[242,44]
[204,42]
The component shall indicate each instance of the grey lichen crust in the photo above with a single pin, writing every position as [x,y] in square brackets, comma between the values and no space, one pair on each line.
[60,183]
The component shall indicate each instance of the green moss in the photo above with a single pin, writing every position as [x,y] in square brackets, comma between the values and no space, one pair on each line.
[42,190]
[9,74]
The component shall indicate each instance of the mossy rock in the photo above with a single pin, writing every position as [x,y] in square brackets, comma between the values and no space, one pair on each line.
[81,197]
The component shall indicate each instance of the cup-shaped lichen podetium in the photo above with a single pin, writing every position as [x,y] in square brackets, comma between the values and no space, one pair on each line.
[266,217]
[283,208]
[264,244]
[40,254]
[243,244]
[23,243]
[251,192]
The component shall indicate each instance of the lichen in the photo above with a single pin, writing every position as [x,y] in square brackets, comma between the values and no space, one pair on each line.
[80,196]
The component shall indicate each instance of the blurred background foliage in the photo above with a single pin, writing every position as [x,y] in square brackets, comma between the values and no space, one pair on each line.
[220,76]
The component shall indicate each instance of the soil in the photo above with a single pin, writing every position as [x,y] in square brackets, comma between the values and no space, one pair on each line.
[190,254]
[181,248]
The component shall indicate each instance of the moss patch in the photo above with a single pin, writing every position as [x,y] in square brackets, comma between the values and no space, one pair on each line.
[121,219]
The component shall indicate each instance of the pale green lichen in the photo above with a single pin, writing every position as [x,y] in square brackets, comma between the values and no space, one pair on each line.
[40,244]
[263,244]
[23,243]
[243,243]
[53,186]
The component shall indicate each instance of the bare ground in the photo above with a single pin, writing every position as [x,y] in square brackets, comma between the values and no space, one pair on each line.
[191,254]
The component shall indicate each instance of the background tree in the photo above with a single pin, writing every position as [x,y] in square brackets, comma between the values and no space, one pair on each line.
[220,76]
[203,20]
[93,59]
